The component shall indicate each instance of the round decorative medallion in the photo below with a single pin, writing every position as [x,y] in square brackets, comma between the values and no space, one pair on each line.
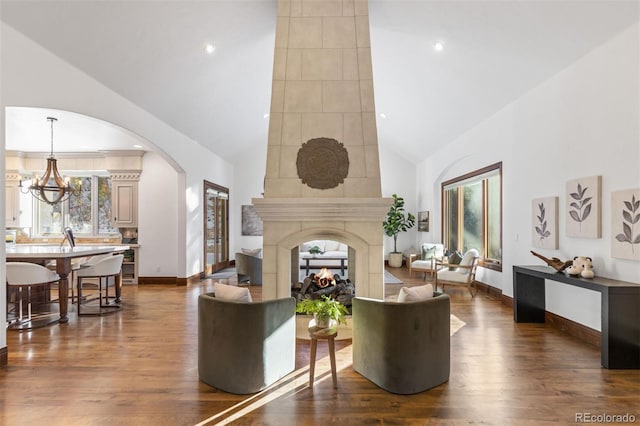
[322,163]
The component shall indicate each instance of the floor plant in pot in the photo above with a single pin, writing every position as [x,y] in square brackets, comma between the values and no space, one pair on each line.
[327,312]
[395,222]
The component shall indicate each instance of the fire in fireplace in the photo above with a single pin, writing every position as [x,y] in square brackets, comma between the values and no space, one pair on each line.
[314,286]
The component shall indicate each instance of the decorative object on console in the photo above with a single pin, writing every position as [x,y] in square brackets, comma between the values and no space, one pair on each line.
[51,188]
[545,223]
[554,262]
[393,224]
[584,207]
[322,163]
[423,221]
[625,224]
[581,265]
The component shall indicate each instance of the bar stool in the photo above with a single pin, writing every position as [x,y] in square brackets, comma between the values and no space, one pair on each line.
[103,269]
[19,276]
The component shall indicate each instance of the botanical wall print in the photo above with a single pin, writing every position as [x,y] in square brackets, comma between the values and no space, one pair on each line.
[544,221]
[584,207]
[625,224]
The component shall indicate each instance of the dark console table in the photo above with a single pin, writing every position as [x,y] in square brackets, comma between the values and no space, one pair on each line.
[620,344]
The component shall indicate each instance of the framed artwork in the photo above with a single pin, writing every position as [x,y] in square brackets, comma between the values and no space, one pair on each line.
[583,201]
[625,224]
[544,222]
[251,222]
[423,221]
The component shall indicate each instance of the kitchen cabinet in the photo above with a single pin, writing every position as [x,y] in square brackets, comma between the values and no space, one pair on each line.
[124,204]
[17,205]
[130,265]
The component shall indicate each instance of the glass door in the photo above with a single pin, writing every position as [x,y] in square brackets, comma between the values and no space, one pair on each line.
[216,227]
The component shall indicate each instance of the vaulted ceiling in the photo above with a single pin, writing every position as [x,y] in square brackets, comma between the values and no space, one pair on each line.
[152,53]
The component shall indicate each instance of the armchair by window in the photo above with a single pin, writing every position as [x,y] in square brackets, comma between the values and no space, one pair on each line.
[426,260]
[462,274]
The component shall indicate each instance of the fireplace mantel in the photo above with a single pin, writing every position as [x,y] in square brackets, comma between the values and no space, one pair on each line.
[316,209]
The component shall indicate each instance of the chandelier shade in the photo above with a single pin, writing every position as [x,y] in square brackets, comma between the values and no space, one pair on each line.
[51,188]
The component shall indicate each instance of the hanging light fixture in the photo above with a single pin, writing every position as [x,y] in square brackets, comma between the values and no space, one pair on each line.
[51,188]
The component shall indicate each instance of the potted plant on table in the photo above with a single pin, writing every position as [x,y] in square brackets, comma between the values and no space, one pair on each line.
[396,222]
[327,312]
[315,250]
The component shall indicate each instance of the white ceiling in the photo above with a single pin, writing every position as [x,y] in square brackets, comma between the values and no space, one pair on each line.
[151,52]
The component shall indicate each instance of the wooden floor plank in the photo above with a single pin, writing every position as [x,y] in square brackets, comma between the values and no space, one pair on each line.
[139,367]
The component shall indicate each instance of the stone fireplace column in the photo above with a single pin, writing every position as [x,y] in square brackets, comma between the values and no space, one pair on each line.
[323,174]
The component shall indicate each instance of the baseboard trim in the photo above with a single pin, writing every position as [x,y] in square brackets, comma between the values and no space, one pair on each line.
[157,280]
[4,356]
[193,279]
[490,290]
[507,301]
[577,330]
[572,328]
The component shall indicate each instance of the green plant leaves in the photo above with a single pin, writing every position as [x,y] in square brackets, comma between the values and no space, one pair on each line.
[396,221]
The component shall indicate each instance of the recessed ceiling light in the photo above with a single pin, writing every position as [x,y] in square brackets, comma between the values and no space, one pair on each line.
[383,115]
[137,146]
[438,46]
[266,115]
[209,48]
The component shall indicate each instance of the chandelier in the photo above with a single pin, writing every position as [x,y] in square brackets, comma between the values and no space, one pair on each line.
[51,188]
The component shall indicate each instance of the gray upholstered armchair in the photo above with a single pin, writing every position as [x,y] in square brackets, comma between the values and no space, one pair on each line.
[402,347]
[245,347]
[249,268]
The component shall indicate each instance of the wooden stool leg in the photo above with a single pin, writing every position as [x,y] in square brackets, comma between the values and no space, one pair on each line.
[332,356]
[312,361]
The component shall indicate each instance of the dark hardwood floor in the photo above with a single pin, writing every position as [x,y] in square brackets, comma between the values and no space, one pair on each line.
[139,367]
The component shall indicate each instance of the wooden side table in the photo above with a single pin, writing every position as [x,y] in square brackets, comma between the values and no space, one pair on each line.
[328,334]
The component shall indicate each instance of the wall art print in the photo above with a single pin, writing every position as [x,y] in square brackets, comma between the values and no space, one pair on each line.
[423,221]
[583,203]
[251,222]
[625,224]
[544,220]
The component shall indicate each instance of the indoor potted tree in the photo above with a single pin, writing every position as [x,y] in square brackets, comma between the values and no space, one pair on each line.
[327,312]
[396,222]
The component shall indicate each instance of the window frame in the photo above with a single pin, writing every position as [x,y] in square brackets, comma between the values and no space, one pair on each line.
[474,176]
[65,213]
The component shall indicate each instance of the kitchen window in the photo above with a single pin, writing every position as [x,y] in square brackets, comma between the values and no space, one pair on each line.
[87,212]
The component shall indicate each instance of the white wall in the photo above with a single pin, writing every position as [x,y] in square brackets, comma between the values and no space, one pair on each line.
[249,183]
[24,83]
[398,176]
[582,122]
[157,194]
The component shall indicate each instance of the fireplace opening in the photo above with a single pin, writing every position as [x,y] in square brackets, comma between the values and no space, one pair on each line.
[323,268]
[324,283]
